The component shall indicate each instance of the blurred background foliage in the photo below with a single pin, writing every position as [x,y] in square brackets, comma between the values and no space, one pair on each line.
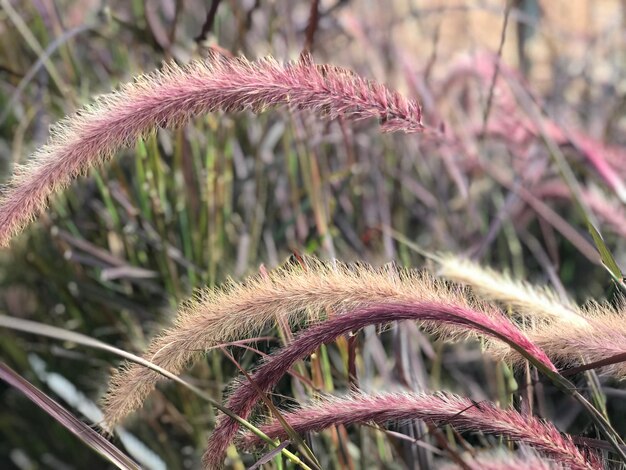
[226,194]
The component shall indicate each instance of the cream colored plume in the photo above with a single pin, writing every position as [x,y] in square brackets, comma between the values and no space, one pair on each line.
[289,295]
[538,303]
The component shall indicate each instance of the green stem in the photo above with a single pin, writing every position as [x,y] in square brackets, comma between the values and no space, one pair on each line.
[41,329]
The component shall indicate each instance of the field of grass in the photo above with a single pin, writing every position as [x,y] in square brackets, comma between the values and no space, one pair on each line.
[494,216]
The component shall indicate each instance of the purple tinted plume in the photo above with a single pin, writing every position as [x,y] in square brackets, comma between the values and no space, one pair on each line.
[440,314]
[173,95]
[438,409]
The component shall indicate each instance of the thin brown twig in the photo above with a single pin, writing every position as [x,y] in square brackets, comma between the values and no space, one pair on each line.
[496,71]
[311,27]
[207,26]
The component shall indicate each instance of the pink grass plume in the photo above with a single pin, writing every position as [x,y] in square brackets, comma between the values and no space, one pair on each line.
[448,317]
[437,409]
[170,97]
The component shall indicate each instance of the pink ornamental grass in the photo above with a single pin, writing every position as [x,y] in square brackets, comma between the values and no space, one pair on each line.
[170,97]
[442,316]
[291,295]
[438,409]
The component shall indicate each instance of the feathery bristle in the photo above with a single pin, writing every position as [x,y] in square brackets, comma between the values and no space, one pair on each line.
[438,409]
[602,336]
[538,303]
[502,459]
[442,315]
[288,295]
[170,97]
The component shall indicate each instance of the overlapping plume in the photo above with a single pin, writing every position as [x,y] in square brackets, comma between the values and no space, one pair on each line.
[602,337]
[569,334]
[333,299]
[289,295]
[448,314]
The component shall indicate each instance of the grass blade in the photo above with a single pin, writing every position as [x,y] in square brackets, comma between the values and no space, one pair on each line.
[81,430]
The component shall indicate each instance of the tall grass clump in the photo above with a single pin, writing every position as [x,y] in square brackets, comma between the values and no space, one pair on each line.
[334,299]
[329,364]
[170,97]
